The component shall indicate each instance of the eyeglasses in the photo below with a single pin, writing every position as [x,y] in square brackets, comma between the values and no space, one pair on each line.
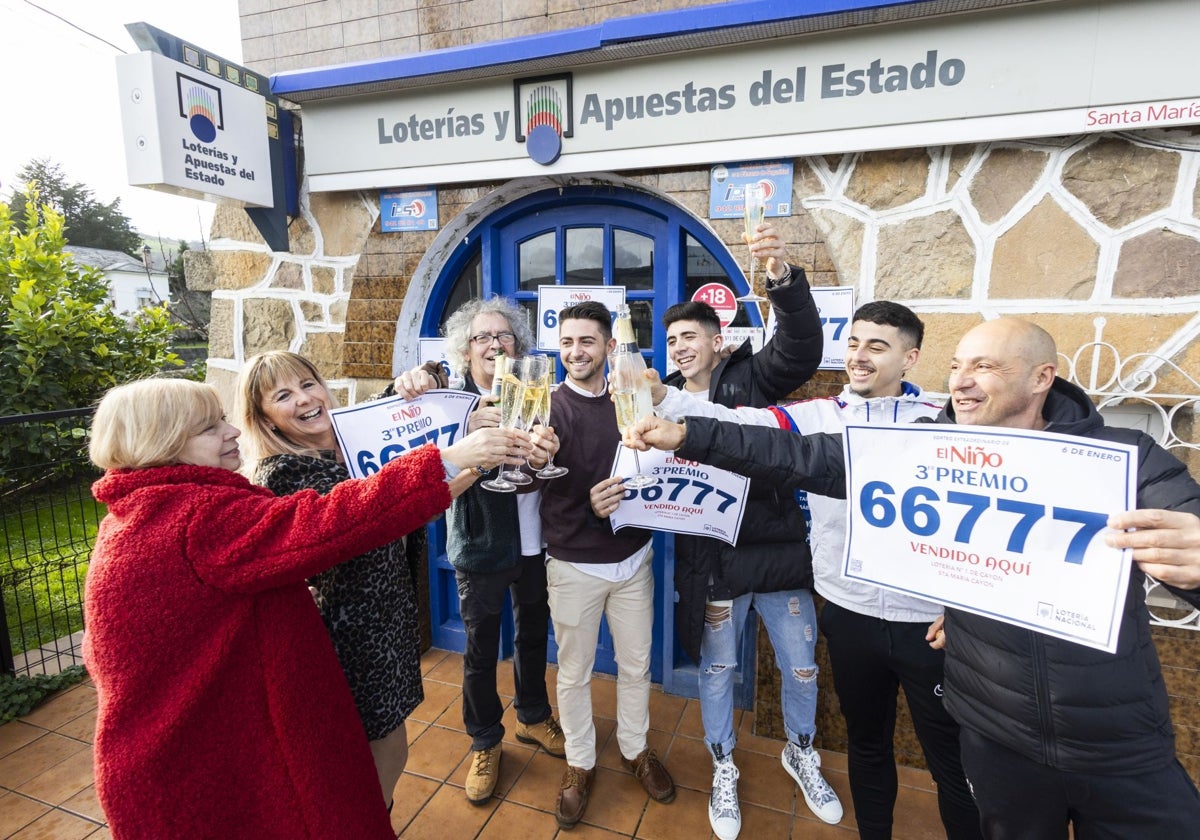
[484,339]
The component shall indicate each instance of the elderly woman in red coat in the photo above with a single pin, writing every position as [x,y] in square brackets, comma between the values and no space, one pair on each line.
[223,711]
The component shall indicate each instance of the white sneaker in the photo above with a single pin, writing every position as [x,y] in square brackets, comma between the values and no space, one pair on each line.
[803,764]
[724,815]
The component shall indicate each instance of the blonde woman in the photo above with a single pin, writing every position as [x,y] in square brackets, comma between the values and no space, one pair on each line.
[368,603]
[223,711]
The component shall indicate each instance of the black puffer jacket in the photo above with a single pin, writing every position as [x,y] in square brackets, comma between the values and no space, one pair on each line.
[772,554]
[1055,702]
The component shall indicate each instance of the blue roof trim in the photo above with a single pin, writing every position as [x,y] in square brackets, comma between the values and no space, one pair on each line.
[568,41]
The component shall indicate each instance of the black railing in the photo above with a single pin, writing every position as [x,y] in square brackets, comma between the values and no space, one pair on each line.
[48,523]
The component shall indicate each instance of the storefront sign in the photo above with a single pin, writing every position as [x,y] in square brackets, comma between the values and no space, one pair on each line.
[1025,71]
[1004,523]
[721,298]
[191,133]
[411,210]
[836,307]
[727,188]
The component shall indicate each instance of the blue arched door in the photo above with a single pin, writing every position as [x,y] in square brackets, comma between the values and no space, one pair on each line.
[587,236]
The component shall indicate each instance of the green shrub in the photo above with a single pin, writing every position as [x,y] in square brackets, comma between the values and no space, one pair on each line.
[19,695]
[61,344]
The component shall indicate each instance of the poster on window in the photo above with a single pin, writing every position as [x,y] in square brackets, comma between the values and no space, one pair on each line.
[553,299]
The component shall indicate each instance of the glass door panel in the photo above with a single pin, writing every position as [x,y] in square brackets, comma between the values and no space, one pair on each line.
[583,257]
[536,262]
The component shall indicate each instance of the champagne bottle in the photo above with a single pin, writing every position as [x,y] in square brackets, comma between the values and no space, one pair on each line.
[628,368]
[623,330]
[498,376]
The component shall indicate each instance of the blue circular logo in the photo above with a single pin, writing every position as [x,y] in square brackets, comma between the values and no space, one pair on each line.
[203,128]
[543,144]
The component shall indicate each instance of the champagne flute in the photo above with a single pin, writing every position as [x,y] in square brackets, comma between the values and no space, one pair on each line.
[755,211]
[530,371]
[510,403]
[550,470]
[631,394]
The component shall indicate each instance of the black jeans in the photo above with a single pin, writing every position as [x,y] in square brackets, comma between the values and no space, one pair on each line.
[870,658]
[1020,799]
[480,601]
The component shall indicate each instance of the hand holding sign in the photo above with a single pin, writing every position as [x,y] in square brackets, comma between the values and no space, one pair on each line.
[974,518]
[1165,543]
[685,497]
[373,433]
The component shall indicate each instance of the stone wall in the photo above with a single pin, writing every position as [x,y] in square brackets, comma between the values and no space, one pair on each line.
[282,35]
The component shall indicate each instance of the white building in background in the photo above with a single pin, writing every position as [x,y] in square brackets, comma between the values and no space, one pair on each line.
[132,286]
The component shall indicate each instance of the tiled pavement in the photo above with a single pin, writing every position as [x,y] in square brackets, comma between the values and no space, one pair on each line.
[46,788]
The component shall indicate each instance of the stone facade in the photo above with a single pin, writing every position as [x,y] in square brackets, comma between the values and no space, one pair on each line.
[282,35]
[1095,237]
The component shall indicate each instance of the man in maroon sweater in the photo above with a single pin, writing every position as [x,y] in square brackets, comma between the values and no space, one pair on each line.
[593,572]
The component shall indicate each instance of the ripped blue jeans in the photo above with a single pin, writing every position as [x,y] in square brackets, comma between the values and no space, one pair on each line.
[791,622]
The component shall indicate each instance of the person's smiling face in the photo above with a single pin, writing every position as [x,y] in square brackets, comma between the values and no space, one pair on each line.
[213,446]
[481,355]
[693,350]
[995,382]
[298,406]
[877,356]
[584,351]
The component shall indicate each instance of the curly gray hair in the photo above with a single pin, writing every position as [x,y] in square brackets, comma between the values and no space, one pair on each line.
[458,328]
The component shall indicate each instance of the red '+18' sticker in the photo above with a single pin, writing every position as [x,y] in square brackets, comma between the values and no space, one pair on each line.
[720,298]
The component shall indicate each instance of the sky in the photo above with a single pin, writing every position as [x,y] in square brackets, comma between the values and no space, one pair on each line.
[60,96]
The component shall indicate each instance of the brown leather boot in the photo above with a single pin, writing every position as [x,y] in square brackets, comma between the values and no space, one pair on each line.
[573,796]
[654,777]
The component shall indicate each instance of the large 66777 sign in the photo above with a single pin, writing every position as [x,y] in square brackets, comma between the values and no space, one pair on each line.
[1005,523]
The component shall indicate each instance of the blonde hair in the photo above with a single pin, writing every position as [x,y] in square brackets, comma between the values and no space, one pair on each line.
[258,378]
[148,423]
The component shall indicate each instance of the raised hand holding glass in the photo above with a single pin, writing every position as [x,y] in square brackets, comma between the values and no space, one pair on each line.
[755,211]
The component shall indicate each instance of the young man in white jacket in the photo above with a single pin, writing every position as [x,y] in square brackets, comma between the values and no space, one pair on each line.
[875,637]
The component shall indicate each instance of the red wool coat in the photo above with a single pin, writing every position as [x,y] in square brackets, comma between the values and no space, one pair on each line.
[223,711]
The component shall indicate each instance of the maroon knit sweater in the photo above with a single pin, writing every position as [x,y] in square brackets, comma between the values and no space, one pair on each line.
[587,432]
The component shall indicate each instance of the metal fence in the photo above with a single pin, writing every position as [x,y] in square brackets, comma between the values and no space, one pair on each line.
[49,522]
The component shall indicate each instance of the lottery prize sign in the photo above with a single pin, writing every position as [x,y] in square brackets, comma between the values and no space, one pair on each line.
[835,305]
[375,432]
[1004,523]
[689,498]
[553,299]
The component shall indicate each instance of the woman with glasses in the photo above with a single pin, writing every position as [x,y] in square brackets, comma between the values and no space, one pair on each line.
[494,542]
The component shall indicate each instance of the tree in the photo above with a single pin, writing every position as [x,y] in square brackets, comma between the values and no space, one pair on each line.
[88,222]
[192,309]
[61,343]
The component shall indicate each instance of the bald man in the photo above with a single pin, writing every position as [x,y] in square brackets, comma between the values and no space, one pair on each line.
[1054,734]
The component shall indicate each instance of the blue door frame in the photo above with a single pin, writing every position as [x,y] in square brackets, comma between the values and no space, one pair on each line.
[493,243]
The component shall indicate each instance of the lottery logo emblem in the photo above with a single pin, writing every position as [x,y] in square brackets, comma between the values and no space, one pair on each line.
[200,104]
[543,107]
